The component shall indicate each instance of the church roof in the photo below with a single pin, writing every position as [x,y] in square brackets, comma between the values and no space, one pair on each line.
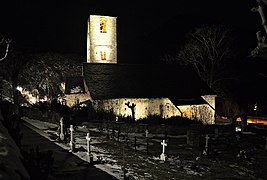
[74,85]
[108,81]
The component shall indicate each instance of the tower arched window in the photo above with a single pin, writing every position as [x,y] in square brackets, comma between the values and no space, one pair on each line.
[103,25]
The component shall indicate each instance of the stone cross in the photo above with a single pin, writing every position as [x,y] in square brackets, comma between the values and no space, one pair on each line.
[205,152]
[147,133]
[163,156]
[71,138]
[88,140]
[61,135]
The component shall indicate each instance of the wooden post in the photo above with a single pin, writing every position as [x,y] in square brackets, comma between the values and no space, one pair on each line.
[123,163]
[147,142]
[135,143]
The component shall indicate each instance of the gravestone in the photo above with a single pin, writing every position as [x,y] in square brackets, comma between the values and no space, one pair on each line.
[61,135]
[163,156]
[88,140]
[71,139]
[206,149]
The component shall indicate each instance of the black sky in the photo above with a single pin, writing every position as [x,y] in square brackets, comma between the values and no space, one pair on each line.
[145,28]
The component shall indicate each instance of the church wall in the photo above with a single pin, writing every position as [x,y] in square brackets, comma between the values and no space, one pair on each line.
[203,112]
[157,106]
[144,107]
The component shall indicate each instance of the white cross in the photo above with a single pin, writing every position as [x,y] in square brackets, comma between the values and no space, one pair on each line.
[88,139]
[146,133]
[71,137]
[163,146]
[61,135]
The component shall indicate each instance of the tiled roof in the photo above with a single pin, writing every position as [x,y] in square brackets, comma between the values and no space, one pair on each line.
[107,81]
[74,85]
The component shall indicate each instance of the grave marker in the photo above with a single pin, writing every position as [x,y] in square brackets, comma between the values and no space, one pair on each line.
[61,135]
[147,142]
[88,140]
[163,156]
[71,138]
[147,133]
[205,151]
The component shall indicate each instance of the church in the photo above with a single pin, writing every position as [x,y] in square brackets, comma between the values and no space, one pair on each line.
[136,90]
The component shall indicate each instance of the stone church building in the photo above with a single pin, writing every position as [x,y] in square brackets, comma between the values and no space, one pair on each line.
[148,89]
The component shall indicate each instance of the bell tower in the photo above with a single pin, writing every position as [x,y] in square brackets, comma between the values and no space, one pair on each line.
[101,39]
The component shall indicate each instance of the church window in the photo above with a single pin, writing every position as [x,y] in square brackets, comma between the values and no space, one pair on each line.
[103,25]
[103,55]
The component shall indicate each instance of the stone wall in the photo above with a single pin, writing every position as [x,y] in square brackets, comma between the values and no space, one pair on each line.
[203,112]
[157,106]
[143,107]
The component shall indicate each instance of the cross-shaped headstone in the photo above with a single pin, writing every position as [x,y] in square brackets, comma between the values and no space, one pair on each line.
[61,135]
[163,156]
[205,151]
[88,140]
[71,138]
[147,133]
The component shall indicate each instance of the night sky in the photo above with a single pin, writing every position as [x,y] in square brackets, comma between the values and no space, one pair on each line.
[145,29]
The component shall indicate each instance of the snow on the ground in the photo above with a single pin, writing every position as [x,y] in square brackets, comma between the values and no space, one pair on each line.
[109,164]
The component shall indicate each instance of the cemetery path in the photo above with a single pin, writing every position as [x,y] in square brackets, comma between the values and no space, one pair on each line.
[42,153]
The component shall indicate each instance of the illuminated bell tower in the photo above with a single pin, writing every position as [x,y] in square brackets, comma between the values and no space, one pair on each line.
[101,39]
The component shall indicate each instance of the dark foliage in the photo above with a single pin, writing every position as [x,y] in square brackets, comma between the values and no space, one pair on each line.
[11,122]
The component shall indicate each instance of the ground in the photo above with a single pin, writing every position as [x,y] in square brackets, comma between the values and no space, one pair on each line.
[239,158]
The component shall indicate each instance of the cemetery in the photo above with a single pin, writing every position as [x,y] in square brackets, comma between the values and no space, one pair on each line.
[153,151]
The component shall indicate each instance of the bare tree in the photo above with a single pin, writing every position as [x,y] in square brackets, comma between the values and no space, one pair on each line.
[208,50]
[261,49]
[5,43]
[12,68]
[132,107]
